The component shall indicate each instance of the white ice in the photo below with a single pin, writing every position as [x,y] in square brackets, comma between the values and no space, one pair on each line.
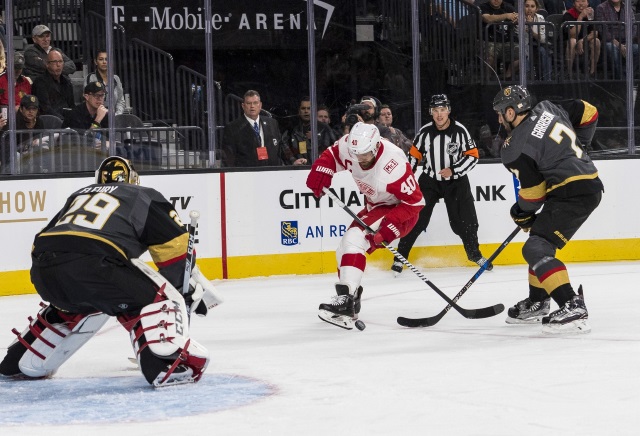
[277,369]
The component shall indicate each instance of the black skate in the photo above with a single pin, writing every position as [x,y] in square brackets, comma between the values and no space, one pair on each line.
[340,311]
[570,318]
[528,312]
[356,302]
[481,261]
[397,267]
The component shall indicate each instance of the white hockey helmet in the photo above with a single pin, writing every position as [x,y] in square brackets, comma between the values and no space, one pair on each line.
[116,169]
[364,138]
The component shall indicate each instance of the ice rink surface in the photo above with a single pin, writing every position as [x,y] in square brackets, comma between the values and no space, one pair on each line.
[276,369]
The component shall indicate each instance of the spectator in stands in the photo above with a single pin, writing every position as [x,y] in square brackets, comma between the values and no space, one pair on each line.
[398,137]
[36,54]
[324,116]
[53,89]
[578,36]
[26,119]
[538,52]
[90,114]
[252,140]
[3,57]
[501,44]
[100,75]
[298,138]
[22,83]
[615,41]
[367,116]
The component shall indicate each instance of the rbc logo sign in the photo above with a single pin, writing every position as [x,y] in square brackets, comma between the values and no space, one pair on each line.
[289,232]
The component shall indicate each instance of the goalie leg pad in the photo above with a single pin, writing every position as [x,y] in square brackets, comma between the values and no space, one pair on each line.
[49,341]
[160,339]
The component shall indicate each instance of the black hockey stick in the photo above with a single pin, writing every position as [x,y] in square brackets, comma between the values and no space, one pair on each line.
[433,320]
[484,312]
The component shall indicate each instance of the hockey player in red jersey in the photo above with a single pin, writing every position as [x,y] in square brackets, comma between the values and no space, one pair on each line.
[545,154]
[86,266]
[393,201]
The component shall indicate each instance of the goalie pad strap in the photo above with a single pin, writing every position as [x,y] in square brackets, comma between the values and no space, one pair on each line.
[49,325]
[183,356]
[28,345]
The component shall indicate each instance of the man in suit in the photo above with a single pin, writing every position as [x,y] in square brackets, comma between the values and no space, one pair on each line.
[253,140]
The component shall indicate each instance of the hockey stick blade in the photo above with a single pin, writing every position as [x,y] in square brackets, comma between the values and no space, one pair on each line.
[433,320]
[484,312]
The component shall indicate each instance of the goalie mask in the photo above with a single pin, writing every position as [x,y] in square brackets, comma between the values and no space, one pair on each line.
[116,169]
[364,138]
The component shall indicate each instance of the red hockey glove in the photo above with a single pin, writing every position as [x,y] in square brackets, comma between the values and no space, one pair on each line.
[380,239]
[319,177]
[523,219]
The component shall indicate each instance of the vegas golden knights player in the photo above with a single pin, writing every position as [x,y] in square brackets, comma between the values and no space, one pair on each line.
[85,264]
[545,154]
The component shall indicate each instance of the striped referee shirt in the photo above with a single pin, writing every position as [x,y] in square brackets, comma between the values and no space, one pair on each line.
[437,149]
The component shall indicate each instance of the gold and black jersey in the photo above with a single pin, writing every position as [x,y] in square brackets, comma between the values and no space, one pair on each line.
[119,220]
[547,159]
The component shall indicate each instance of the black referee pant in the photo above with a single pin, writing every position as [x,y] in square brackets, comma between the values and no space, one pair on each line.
[460,208]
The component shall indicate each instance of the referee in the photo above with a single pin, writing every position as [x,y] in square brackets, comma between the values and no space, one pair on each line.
[447,153]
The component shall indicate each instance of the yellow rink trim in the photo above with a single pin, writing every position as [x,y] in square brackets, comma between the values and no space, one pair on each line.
[18,282]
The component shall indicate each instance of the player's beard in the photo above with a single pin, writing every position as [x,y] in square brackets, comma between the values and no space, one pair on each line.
[366,116]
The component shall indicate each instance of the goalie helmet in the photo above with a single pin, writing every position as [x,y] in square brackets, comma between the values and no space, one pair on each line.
[439,100]
[516,97]
[364,138]
[115,169]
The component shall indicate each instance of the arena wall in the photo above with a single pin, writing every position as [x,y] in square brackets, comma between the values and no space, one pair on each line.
[267,223]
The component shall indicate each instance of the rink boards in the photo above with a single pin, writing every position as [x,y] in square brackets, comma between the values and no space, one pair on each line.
[267,223]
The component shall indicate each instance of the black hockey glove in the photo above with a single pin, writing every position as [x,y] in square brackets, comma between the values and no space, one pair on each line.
[523,219]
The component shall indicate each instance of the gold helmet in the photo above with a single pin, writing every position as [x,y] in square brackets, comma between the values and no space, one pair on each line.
[115,169]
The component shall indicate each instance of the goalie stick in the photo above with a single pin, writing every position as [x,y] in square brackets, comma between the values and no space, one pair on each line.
[484,312]
[433,320]
[194,215]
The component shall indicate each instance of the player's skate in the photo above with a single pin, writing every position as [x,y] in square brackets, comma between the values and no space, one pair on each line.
[570,318]
[528,312]
[340,311]
[356,302]
[481,261]
[397,268]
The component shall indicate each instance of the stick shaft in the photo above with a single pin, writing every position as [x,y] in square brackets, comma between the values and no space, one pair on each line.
[194,215]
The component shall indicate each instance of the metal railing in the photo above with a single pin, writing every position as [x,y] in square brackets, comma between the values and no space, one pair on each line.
[152,87]
[68,150]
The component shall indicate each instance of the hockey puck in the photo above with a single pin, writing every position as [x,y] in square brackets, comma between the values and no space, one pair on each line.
[360,325]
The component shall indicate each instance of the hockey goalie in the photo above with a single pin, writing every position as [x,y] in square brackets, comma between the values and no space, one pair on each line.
[85,264]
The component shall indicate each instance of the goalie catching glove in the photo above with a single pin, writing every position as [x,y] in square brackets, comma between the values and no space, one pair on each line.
[202,294]
[523,219]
